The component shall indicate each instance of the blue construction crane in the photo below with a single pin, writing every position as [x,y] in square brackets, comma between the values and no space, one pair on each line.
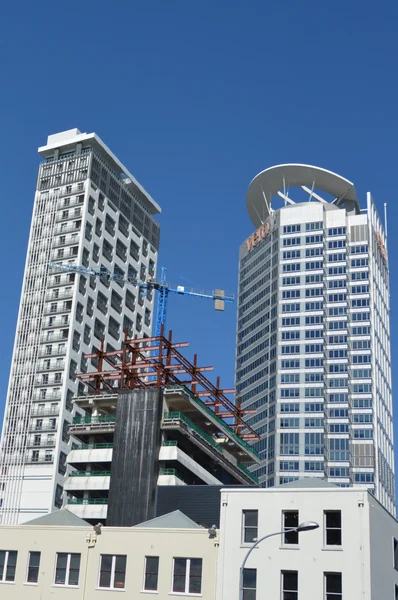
[161,286]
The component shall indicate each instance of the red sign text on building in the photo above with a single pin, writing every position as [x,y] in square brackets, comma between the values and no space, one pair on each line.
[258,235]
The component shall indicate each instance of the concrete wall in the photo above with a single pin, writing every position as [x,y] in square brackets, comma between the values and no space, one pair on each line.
[135,461]
[383,529]
[135,543]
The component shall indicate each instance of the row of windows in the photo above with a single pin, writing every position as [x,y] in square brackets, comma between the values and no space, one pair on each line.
[186,575]
[289,583]
[332,525]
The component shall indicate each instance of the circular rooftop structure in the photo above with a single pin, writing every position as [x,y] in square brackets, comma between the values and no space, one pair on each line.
[279,179]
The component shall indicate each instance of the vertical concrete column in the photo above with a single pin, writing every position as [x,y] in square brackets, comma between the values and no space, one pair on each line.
[135,462]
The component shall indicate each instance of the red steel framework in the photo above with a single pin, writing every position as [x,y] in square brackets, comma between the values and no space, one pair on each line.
[157,362]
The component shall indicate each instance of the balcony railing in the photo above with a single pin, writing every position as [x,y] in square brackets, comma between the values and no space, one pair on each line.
[56,323]
[91,446]
[49,396]
[72,214]
[41,460]
[79,419]
[54,351]
[41,444]
[90,474]
[50,381]
[52,367]
[68,229]
[60,296]
[171,472]
[33,427]
[211,413]
[170,417]
[45,412]
[87,500]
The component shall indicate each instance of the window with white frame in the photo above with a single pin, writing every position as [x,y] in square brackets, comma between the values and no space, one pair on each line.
[249,584]
[151,573]
[8,563]
[67,569]
[333,586]
[332,527]
[250,526]
[112,571]
[33,567]
[289,585]
[290,521]
[187,575]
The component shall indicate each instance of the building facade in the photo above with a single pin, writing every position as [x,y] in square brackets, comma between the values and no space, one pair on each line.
[352,555]
[169,556]
[151,418]
[313,337]
[90,211]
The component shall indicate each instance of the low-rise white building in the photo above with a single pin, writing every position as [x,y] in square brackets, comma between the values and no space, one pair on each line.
[353,555]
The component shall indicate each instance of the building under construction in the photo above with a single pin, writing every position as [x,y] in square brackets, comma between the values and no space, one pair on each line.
[152,418]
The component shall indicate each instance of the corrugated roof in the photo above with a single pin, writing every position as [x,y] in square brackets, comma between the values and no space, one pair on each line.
[173,520]
[59,518]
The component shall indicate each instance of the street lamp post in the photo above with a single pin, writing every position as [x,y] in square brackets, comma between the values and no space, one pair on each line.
[306,526]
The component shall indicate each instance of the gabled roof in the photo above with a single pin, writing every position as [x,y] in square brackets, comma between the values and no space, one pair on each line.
[59,518]
[173,520]
[309,482]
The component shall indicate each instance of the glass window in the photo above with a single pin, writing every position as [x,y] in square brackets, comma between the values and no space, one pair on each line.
[67,569]
[333,586]
[8,563]
[112,571]
[333,527]
[33,567]
[151,573]
[291,520]
[249,584]
[289,585]
[250,525]
[187,575]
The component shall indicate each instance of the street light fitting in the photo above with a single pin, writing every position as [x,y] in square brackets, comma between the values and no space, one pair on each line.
[307,526]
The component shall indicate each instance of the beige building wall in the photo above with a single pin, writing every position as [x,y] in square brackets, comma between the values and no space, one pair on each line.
[136,543]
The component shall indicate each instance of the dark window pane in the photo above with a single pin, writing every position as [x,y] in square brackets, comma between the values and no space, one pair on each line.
[333,518]
[34,564]
[333,537]
[120,572]
[151,573]
[106,568]
[249,594]
[250,522]
[250,578]
[251,518]
[333,582]
[2,561]
[60,572]
[195,576]
[180,567]
[74,568]
[290,581]
[11,565]
[291,519]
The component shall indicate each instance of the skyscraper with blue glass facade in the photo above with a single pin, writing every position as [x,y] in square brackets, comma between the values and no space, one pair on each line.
[313,337]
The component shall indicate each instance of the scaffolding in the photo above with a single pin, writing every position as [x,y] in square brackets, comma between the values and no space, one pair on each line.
[157,362]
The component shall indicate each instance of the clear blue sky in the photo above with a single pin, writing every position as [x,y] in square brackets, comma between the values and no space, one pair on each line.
[196,98]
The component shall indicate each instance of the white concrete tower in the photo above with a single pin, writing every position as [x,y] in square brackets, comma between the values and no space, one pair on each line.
[313,336]
[88,210]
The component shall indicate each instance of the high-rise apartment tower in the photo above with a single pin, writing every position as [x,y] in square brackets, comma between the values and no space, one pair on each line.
[313,336]
[88,210]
